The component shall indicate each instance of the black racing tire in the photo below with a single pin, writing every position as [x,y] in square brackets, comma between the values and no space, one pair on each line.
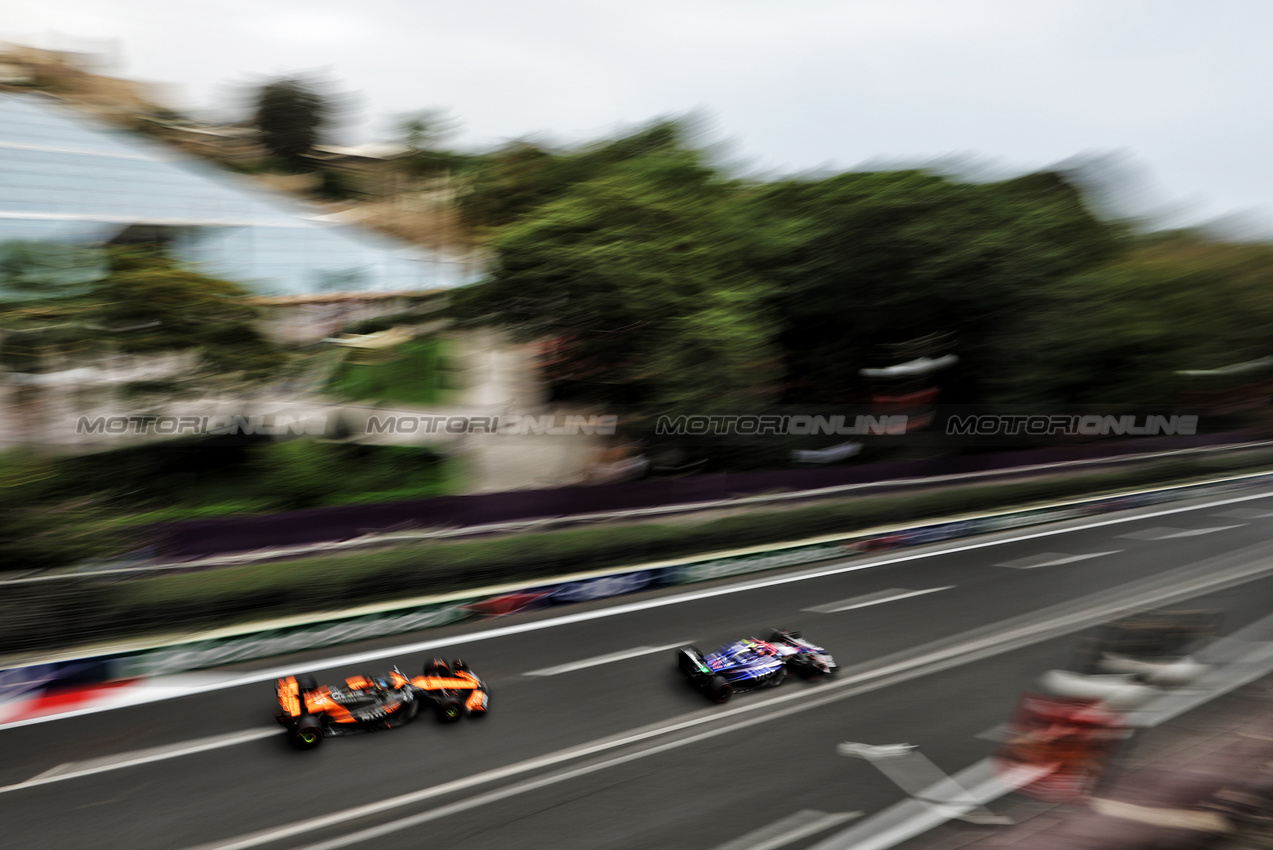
[308,733]
[782,634]
[450,710]
[718,690]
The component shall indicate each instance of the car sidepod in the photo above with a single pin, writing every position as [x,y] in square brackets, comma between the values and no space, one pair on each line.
[765,672]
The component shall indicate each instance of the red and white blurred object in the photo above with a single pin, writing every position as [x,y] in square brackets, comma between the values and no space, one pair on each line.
[1119,691]
[57,701]
[1073,739]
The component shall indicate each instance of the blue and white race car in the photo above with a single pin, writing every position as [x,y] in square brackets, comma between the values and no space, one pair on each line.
[749,663]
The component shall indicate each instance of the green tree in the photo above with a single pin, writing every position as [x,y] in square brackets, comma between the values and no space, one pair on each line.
[858,260]
[513,181]
[47,521]
[149,303]
[508,183]
[1118,334]
[642,261]
[46,272]
[422,133]
[292,115]
[636,276]
[76,303]
[43,301]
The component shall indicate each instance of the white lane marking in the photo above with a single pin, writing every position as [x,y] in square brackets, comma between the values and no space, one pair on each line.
[1052,559]
[1244,513]
[1016,633]
[617,610]
[76,769]
[1172,533]
[603,659]
[984,782]
[873,599]
[794,827]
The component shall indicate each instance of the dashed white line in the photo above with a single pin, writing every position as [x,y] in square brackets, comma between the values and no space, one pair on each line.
[873,599]
[794,827]
[1245,513]
[1173,533]
[74,770]
[1052,559]
[603,659]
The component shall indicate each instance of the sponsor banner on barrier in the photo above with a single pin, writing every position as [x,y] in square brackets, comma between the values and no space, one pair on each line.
[1002,523]
[742,564]
[62,699]
[212,653]
[510,603]
[604,587]
[23,682]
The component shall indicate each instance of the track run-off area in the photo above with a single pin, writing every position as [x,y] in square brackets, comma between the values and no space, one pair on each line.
[594,740]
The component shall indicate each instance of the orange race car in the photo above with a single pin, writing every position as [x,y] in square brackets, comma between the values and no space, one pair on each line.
[366,703]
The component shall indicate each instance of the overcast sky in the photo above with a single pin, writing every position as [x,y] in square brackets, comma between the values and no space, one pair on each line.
[1179,89]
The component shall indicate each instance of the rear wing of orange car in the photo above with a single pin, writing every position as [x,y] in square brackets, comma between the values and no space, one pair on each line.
[289,696]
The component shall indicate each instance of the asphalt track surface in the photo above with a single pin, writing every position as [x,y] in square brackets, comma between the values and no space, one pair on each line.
[595,741]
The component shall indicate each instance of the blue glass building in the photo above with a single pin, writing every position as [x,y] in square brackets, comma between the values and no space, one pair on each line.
[64,177]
